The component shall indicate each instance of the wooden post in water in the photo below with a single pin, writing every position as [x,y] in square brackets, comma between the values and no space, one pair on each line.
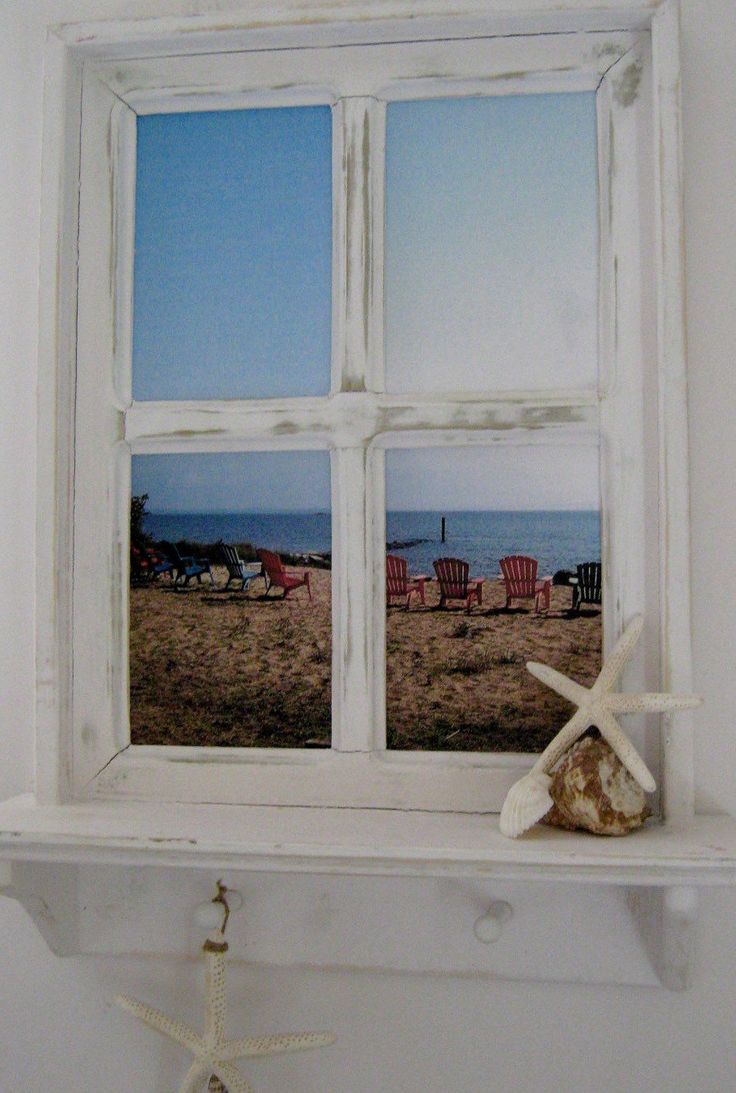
[443,529]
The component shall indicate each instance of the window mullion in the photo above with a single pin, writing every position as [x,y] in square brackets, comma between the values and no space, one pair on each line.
[352,705]
[358,145]
[358,156]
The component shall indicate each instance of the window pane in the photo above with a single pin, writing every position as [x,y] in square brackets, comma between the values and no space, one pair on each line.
[457,679]
[218,656]
[233,242]
[491,240]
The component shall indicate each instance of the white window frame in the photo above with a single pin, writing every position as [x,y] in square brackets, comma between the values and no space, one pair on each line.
[87,430]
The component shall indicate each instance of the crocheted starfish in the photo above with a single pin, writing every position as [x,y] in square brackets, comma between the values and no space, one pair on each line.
[528,800]
[213,1054]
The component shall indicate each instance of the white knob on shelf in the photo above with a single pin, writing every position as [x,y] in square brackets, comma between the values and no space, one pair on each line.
[488,927]
[209,915]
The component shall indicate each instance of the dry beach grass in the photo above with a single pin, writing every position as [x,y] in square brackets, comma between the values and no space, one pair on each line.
[210,667]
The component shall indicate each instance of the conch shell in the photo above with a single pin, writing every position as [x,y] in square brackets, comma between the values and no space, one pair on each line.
[596,706]
[593,790]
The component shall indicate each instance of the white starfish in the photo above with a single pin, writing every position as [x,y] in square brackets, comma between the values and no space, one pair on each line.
[213,1054]
[528,800]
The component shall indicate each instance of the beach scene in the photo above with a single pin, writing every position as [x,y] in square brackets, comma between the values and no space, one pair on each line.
[493,548]
[225,651]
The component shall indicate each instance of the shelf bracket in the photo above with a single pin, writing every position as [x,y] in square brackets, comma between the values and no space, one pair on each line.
[667,919]
[48,892]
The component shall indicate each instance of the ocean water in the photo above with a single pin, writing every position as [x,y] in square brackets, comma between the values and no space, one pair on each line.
[290,532]
[558,540]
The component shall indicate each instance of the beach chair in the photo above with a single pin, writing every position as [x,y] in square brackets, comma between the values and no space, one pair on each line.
[399,583]
[452,576]
[184,566]
[520,577]
[277,577]
[146,565]
[140,570]
[237,569]
[589,587]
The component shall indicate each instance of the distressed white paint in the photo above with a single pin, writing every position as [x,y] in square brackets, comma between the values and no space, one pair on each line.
[362,841]
[353,418]
[55,447]
[346,776]
[356,418]
[299,22]
[396,70]
[352,684]
[624,130]
[100,548]
[358,298]
[674,506]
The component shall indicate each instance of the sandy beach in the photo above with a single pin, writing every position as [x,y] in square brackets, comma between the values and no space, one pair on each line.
[213,667]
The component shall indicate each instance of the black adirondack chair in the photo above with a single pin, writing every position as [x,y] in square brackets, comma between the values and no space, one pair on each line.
[589,588]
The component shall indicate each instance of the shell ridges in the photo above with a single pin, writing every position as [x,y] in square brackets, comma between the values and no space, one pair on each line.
[526,803]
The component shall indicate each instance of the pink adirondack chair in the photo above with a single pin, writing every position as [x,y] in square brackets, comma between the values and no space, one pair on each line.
[520,578]
[399,583]
[277,577]
[452,575]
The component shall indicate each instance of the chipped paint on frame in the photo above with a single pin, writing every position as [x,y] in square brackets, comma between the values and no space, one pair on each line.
[626,86]
[352,426]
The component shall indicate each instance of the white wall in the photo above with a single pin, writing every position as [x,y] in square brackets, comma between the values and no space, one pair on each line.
[58,1029]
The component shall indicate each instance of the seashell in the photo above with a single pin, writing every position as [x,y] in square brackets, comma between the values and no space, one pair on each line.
[592,790]
[526,803]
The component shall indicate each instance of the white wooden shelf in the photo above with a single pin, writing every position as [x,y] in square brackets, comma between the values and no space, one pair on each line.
[361,841]
[58,860]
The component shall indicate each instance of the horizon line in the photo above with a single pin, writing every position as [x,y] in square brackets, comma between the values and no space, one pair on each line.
[326,512]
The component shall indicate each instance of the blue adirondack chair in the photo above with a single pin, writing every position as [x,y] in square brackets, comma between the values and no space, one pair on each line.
[185,567]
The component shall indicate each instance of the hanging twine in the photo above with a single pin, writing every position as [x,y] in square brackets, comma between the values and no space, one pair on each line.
[213,945]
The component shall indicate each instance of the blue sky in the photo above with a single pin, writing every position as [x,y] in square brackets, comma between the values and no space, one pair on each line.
[490,277]
[491,242]
[506,477]
[234,481]
[233,252]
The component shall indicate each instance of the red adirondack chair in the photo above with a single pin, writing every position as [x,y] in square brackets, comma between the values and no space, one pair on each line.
[520,578]
[277,576]
[452,575]
[146,565]
[398,581]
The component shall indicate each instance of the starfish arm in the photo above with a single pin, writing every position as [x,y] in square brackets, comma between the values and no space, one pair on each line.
[568,688]
[650,703]
[625,750]
[253,1046]
[230,1077]
[565,738]
[194,1077]
[615,664]
[214,1032]
[175,1030]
